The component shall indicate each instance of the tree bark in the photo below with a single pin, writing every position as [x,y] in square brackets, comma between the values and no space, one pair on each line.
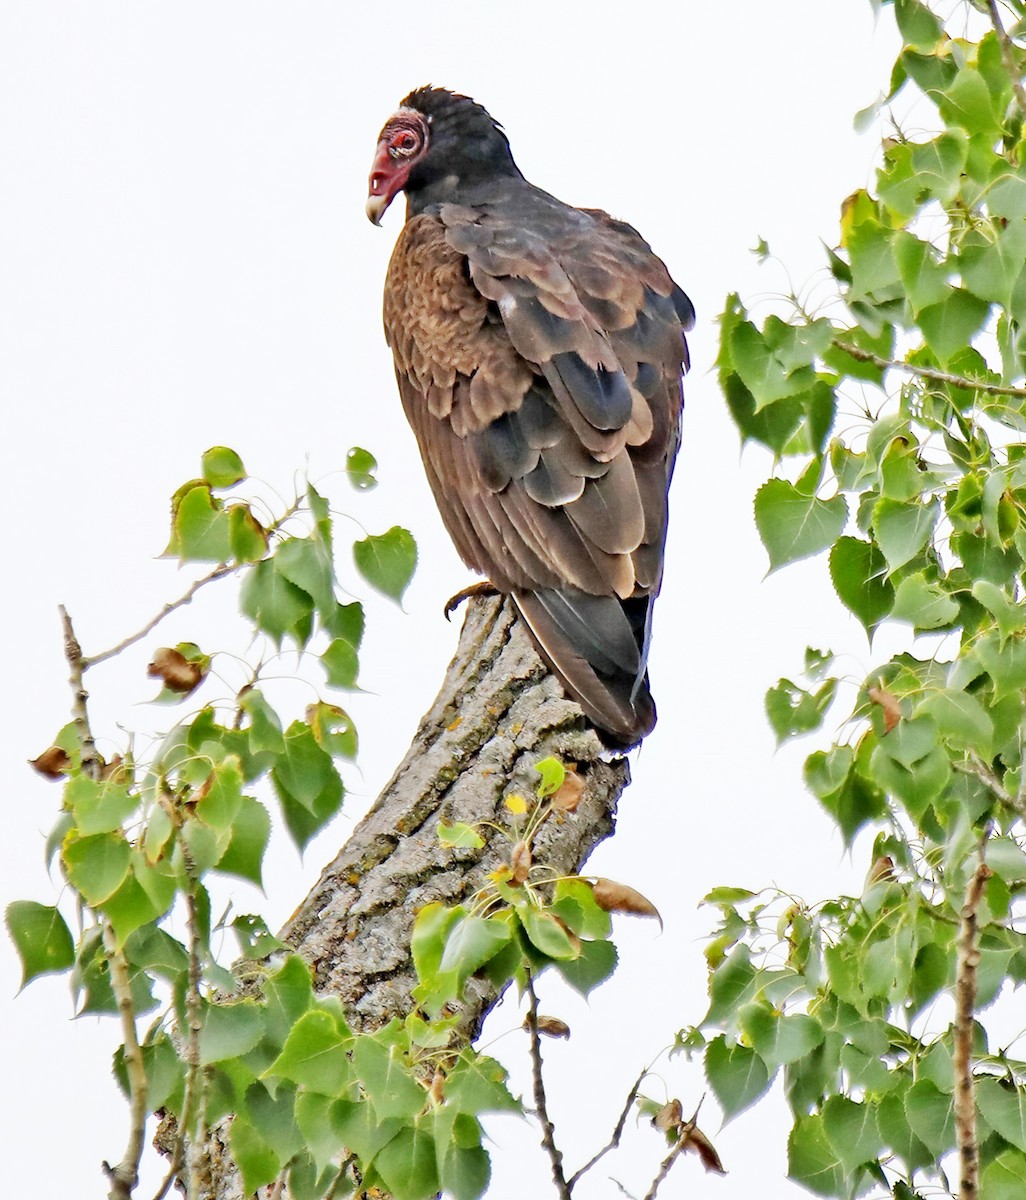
[498,713]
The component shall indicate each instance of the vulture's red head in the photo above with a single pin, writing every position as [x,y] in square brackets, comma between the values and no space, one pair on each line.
[437,145]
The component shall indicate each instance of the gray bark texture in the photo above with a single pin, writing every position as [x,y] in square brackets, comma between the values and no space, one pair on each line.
[498,713]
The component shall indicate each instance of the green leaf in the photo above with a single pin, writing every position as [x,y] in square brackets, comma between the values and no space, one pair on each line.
[255,1159]
[949,325]
[307,783]
[793,525]
[1004,663]
[843,790]
[922,603]
[736,1074]
[288,993]
[992,269]
[391,1087]
[41,937]
[304,562]
[851,1130]
[265,733]
[930,1116]
[1010,614]
[222,467]
[316,1117]
[910,764]
[759,369]
[360,467]
[962,720]
[408,1164]
[594,965]
[276,606]
[902,530]
[430,931]
[812,1160]
[858,572]
[573,901]
[967,103]
[471,943]
[553,775]
[779,1038]
[917,25]
[97,866]
[387,560]
[341,664]
[362,1132]
[98,807]
[732,984]
[793,711]
[1005,1177]
[230,1030]
[247,538]
[460,835]
[1003,1106]
[477,1084]
[464,1170]
[546,933]
[274,1118]
[333,730]
[1006,859]
[315,1055]
[200,528]
[250,833]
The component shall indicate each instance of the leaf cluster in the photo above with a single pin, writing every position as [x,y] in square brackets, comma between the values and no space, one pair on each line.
[895,418]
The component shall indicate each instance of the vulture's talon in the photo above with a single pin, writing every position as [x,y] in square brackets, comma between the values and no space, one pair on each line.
[475,589]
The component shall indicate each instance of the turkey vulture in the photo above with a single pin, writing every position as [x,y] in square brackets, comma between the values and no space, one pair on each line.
[539,352]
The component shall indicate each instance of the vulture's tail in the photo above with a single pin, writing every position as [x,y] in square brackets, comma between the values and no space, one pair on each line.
[598,646]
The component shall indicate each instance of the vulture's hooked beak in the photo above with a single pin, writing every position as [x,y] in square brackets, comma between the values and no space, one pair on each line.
[387,177]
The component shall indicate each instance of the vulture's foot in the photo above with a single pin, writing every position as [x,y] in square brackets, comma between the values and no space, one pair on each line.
[485,588]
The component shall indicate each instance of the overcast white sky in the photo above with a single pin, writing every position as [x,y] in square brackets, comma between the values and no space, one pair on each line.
[184,261]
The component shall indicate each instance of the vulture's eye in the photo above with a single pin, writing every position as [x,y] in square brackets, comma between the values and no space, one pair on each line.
[404,144]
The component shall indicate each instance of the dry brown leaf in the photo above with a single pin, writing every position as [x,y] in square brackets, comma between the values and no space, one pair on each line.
[669,1117]
[175,671]
[568,796]
[520,861]
[889,703]
[115,770]
[618,897]
[695,1139]
[552,1027]
[52,763]
[436,1093]
[882,869]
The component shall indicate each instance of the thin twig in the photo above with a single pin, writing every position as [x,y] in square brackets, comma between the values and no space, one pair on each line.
[665,1165]
[975,765]
[614,1141]
[548,1129]
[1008,56]
[124,1178]
[194,1019]
[958,381]
[216,573]
[80,697]
[965,1006]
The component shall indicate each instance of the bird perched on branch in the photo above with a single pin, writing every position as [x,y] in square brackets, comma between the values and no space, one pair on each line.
[539,352]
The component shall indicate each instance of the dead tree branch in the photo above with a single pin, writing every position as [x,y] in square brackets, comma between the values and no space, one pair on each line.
[499,711]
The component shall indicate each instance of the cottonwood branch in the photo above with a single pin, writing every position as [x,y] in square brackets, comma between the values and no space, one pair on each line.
[968,960]
[935,376]
[499,711]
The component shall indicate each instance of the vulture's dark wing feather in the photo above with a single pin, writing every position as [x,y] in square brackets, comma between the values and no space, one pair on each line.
[538,350]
